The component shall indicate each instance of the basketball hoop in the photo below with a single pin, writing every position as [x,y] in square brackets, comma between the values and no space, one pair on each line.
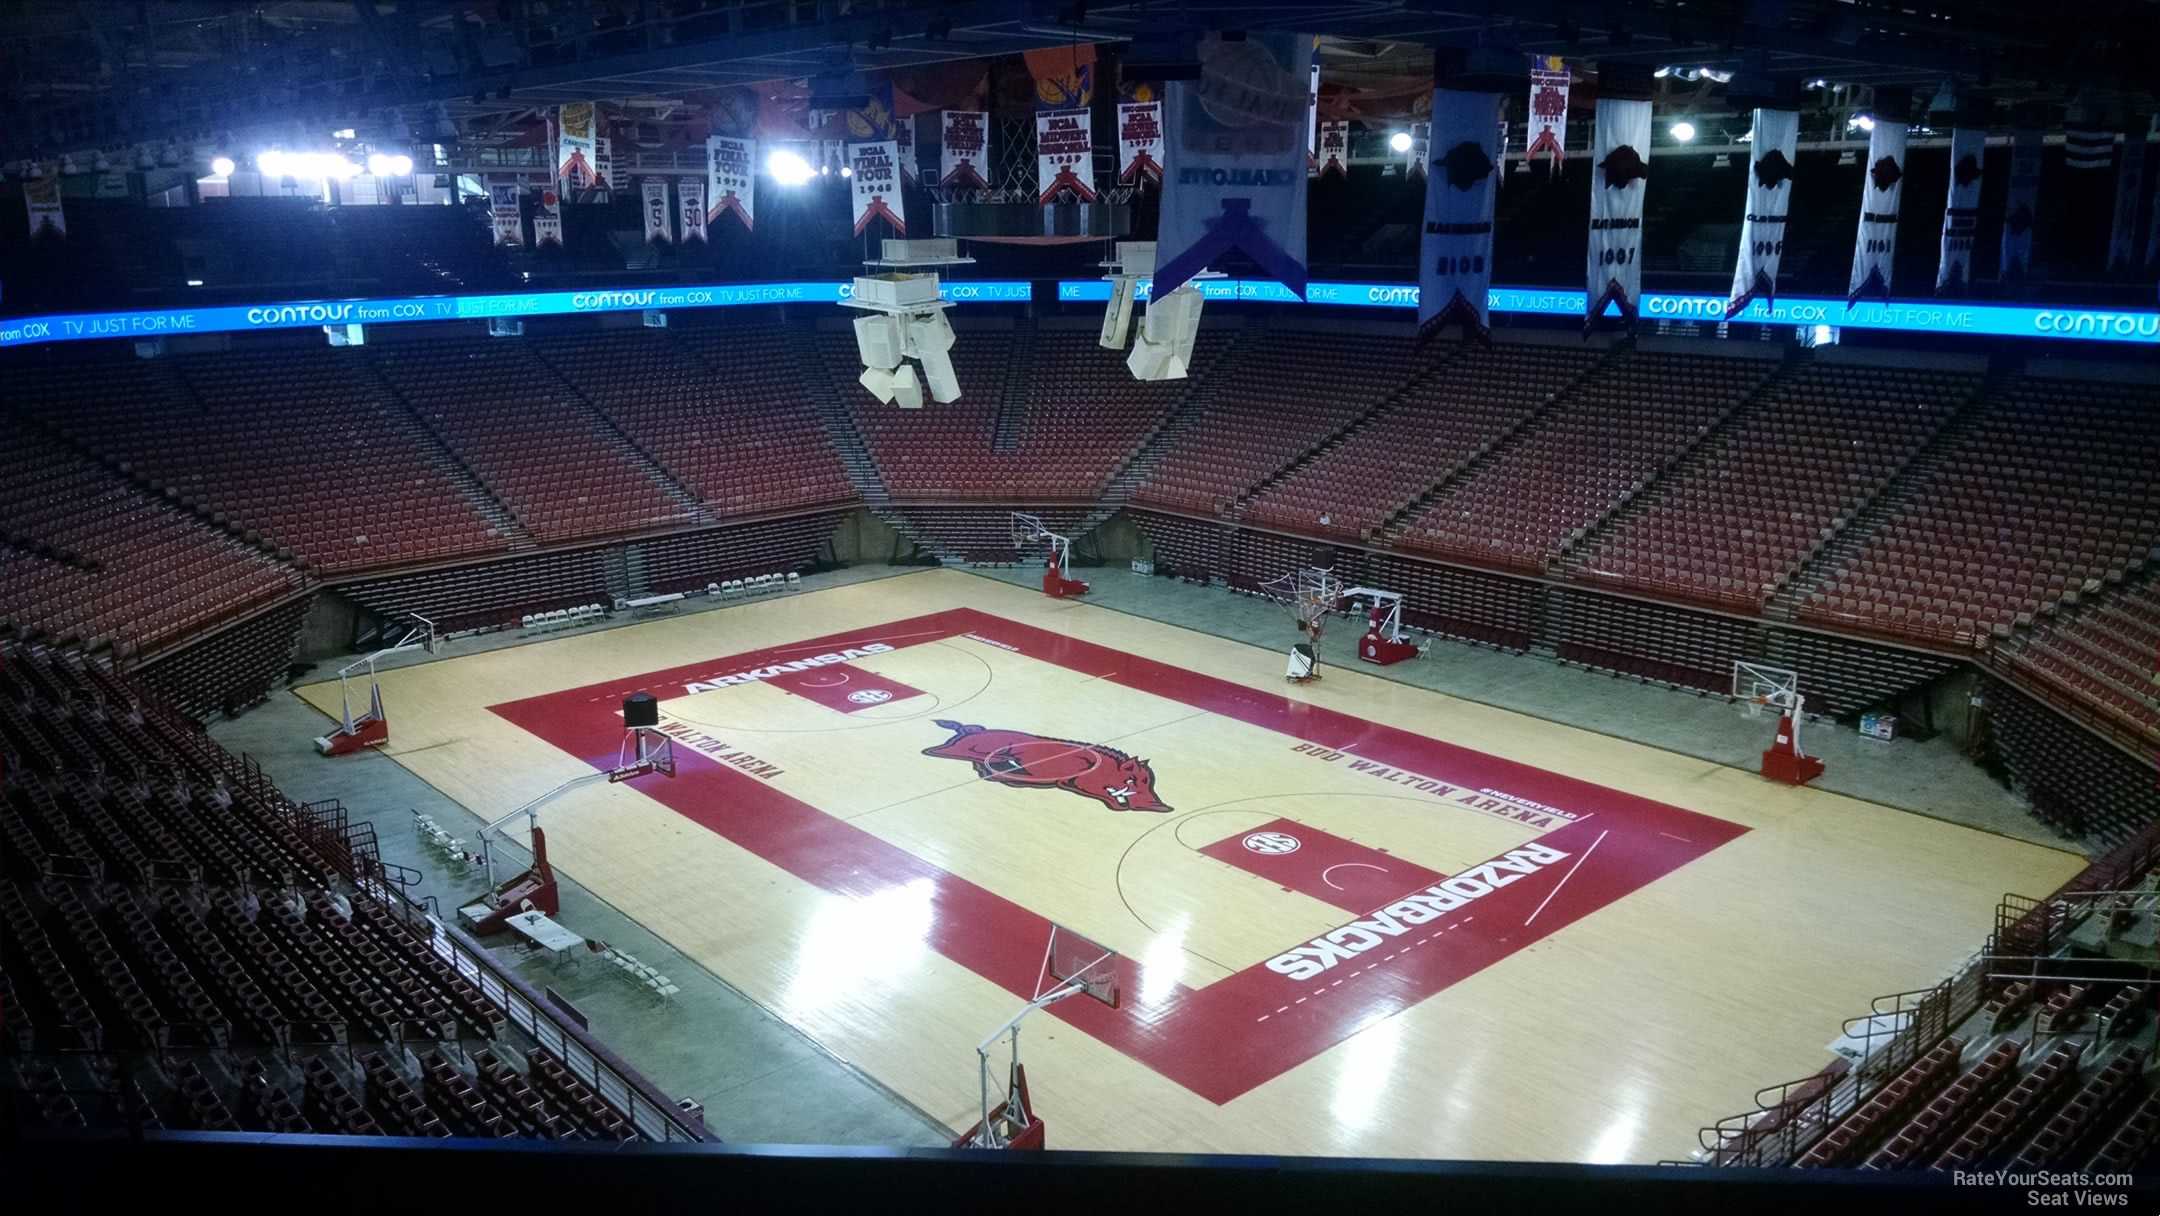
[1308,594]
[1072,965]
[1029,530]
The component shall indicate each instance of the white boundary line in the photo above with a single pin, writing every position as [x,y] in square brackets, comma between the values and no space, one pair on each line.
[1570,874]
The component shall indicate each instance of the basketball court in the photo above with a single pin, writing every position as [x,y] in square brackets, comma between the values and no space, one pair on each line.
[1349,917]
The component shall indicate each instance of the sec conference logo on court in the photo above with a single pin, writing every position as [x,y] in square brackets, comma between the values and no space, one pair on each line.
[1011,757]
[1274,844]
[870,696]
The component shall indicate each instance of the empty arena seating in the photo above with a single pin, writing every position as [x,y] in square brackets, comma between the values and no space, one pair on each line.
[2085,787]
[2056,486]
[550,459]
[1604,441]
[1085,415]
[1186,548]
[943,450]
[1288,394]
[713,406]
[163,908]
[87,560]
[1749,505]
[1442,421]
[2104,653]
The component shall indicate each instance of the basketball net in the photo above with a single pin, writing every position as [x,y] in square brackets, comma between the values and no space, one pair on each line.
[1308,594]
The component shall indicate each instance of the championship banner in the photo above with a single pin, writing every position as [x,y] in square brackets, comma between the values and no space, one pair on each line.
[1621,137]
[690,206]
[1769,198]
[965,153]
[2021,209]
[2129,184]
[1875,248]
[1421,148]
[42,196]
[1455,250]
[1549,78]
[1139,142]
[1064,155]
[547,219]
[503,210]
[1961,215]
[1334,147]
[904,136]
[1234,161]
[577,150]
[608,176]
[875,181]
[659,221]
[733,179]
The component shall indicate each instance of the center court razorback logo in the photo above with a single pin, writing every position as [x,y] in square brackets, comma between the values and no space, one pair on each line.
[1012,757]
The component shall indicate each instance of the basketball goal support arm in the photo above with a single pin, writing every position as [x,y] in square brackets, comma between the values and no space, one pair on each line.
[414,639]
[1011,1030]
[624,770]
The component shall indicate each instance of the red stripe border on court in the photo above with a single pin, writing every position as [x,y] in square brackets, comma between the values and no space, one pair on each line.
[1248,1028]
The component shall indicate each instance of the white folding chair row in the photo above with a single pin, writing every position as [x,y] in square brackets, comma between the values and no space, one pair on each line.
[760,584]
[562,618]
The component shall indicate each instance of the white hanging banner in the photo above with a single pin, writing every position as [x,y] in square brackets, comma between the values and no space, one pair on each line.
[1334,147]
[2129,184]
[1961,215]
[1769,197]
[965,155]
[1234,161]
[503,210]
[1421,149]
[2086,146]
[42,196]
[2022,209]
[1619,148]
[875,179]
[1064,156]
[690,207]
[1139,137]
[547,219]
[1312,111]
[659,220]
[904,136]
[1549,79]
[733,179]
[577,149]
[1875,248]
[1455,250]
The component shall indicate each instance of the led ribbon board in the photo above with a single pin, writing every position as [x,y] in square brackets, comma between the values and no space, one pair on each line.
[1918,316]
[24,331]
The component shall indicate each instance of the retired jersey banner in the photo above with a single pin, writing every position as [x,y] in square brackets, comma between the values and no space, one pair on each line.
[2129,185]
[732,179]
[1769,199]
[1875,248]
[42,196]
[1421,148]
[1334,147]
[965,154]
[1455,250]
[1064,156]
[577,149]
[547,219]
[874,171]
[1619,149]
[1139,126]
[690,206]
[2022,209]
[1961,215]
[1234,161]
[659,218]
[1549,79]
[503,210]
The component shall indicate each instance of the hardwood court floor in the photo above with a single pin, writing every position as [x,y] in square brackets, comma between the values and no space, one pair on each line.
[1359,918]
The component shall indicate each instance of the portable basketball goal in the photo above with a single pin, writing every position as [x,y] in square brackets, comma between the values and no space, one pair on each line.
[372,729]
[1309,594]
[1761,687]
[1028,532]
[644,751]
[1072,966]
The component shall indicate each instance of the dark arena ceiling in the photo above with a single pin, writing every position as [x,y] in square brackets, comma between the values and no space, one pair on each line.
[79,77]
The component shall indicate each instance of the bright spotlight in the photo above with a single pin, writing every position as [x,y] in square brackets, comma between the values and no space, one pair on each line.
[788,168]
[222,166]
[846,171]
[272,163]
[1683,131]
[378,164]
[1400,141]
[1862,122]
[401,165]
[340,168]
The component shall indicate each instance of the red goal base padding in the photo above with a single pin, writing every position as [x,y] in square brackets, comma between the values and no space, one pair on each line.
[1057,586]
[1782,761]
[366,733]
[1020,1129]
[1376,649]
